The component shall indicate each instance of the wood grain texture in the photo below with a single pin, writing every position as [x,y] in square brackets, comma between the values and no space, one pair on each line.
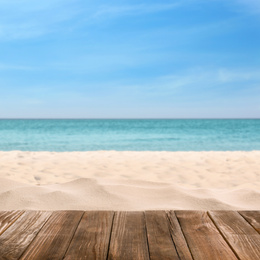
[160,242]
[252,217]
[130,235]
[128,238]
[92,236]
[53,240]
[18,236]
[203,238]
[178,237]
[7,218]
[241,236]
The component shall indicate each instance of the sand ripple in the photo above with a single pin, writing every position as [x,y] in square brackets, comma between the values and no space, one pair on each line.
[109,180]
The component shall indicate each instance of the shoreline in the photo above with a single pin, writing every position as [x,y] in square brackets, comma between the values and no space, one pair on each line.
[111,180]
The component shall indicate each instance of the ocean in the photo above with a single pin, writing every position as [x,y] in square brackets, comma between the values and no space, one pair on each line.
[62,135]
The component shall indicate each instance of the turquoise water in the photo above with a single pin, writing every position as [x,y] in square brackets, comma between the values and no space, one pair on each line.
[130,135]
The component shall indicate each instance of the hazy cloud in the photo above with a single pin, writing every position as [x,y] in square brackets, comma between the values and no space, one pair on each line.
[251,5]
[27,19]
[14,67]
[199,80]
[138,9]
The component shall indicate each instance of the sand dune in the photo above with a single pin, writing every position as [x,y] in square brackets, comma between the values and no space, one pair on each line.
[109,180]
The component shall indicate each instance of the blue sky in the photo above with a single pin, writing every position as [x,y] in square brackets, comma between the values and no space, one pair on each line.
[130,59]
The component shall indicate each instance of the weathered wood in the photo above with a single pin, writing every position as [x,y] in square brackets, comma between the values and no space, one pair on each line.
[18,236]
[128,239]
[240,235]
[92,236]
[130,235]
[7,218]
[178,238]
[252,217]
[160,242]
[54,238]
[203,238]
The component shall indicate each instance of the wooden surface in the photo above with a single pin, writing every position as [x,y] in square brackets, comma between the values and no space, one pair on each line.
[15,239]
[55,237]
[240,235]
[130,235]
[178,237]
[202,236]
[91,240]
[159,236]
[7,218]
[253,217]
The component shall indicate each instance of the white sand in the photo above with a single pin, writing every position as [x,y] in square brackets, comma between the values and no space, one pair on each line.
[109,180]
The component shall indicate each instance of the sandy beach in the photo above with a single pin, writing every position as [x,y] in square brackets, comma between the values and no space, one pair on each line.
[111,180]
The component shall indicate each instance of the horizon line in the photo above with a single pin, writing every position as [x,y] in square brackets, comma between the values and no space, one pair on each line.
[130,118]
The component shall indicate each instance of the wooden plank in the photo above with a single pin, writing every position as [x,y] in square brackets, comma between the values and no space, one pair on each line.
[128,238]
[18,236]
[160,242]
[53,240]
[241,236]
[253,218]
[7,218]
[178,237]
[92,236]
[203,238]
